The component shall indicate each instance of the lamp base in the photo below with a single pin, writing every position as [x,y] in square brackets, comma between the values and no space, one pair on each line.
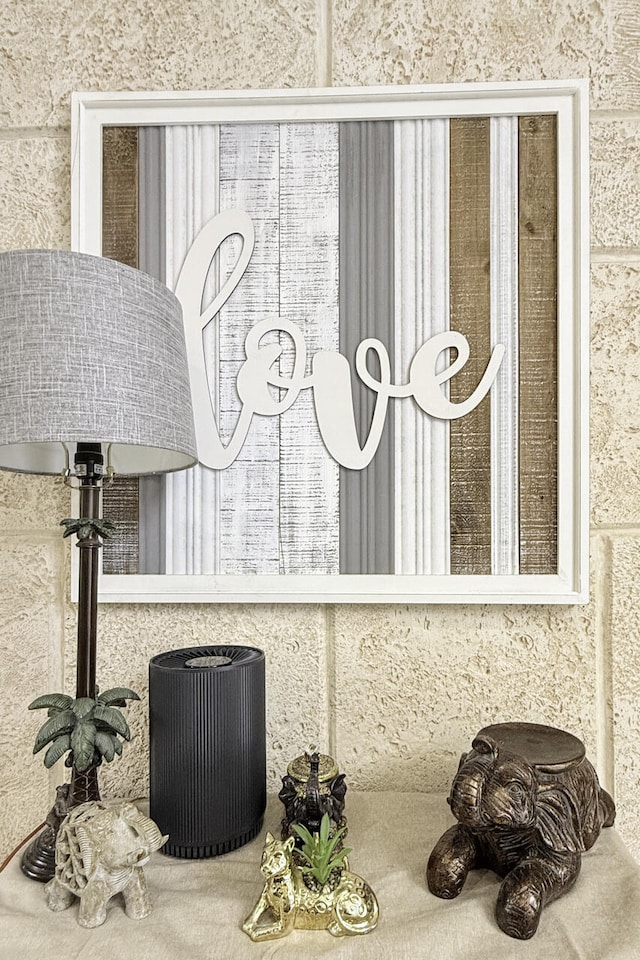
[39,859]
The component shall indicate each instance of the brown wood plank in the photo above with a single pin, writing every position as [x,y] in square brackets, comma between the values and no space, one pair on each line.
[470,436]
[120,504]
[538,332]
[120,194]
[120,242]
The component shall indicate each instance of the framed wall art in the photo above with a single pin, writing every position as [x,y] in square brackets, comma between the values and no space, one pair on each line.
[385,295]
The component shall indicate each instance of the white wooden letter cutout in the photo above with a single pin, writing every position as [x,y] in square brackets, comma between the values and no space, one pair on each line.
[330,377]
[189,291]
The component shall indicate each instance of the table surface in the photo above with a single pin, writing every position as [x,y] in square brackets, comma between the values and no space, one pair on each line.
[199,906]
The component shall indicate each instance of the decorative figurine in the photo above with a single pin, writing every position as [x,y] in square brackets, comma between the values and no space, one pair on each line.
[100,851]
[88,731]
[528,804]
[322,895]
[312,787]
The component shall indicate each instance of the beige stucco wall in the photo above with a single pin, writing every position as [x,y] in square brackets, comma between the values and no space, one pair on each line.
[394,692]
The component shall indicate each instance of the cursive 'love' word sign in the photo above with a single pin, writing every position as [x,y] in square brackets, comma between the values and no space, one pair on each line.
[330,376]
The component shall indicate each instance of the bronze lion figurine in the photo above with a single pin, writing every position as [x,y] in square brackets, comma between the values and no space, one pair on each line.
[529,823]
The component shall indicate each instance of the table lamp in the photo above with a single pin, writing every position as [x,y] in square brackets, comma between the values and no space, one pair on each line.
[94,382]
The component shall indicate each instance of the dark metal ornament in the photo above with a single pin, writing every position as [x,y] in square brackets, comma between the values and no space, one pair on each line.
[39,858]
[528,804]
[312,787]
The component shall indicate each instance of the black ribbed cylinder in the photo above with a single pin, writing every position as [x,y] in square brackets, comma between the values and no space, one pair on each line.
[207,748]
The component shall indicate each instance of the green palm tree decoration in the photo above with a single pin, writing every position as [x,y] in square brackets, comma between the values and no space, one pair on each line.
[86,729]
[85,527]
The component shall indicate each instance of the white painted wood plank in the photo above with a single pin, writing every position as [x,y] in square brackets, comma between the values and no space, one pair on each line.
[208,520]
[192,496]
[249,488]
[309,276]
[504,329]
[421,268]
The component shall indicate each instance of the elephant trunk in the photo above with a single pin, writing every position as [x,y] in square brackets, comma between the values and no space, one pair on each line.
[147,830]
[465,799]
[138,857]
[153,837]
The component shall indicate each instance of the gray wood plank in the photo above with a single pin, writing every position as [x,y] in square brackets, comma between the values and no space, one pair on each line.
[366,310]
[152,257]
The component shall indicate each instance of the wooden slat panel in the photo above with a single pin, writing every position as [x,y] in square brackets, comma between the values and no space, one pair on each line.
[421,271]
[152,217]
[309,168]
[366,310]
[249,488]
[470,446]
[191,496]
[120,194]
[505,536]
[120,554]
[206,523]
[538,344]
[120,242]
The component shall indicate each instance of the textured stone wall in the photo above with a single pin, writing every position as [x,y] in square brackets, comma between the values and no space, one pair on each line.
[394,692]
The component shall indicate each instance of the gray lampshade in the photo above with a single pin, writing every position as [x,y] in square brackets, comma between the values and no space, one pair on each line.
[92,351]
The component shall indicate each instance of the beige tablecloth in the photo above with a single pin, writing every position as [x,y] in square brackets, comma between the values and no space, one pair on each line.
[199,905]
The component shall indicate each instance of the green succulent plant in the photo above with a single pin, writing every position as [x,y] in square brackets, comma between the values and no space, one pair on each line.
[319,850]
[87,729]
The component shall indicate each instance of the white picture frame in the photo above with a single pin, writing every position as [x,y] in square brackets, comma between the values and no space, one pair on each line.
[568,101]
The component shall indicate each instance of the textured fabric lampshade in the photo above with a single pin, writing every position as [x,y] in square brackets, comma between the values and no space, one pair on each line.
[93,351]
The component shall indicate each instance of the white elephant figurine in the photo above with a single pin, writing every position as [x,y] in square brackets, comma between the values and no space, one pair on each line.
[100,851]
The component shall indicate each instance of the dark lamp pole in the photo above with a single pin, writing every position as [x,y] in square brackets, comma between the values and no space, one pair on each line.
[88,456]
